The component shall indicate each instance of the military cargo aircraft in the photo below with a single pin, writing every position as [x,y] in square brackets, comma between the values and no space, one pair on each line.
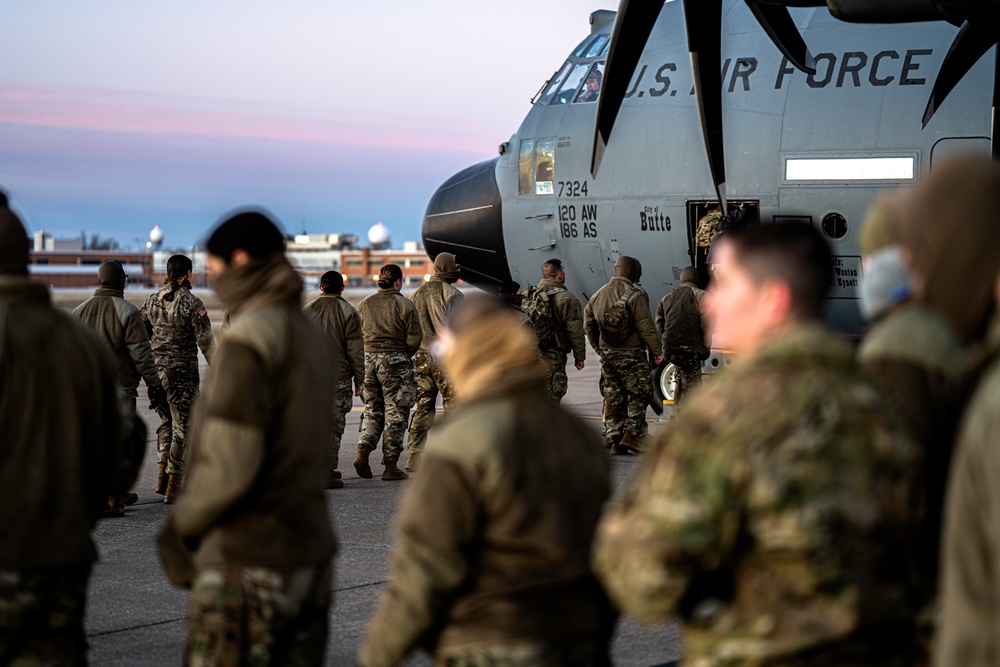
[814,130]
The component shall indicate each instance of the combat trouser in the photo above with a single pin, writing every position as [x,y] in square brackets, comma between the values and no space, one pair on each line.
[688,366]
[342,402]
[430,380]
[256,616]
[578,652]
[627,389]
[171,436]
[41,616]
[556,381]
[389,391]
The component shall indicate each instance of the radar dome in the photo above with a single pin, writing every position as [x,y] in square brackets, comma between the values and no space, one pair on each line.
[156,236]
[379,236]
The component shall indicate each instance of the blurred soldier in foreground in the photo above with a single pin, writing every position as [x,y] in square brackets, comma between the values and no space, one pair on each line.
[680,319]
[60,447]
[766,515]
[251,534]
[558,321]
[120,324]
[490,565]
[432,299]
[343,325]
[391,328]
[913,354]
[948,225]
[620,328]
[178,325]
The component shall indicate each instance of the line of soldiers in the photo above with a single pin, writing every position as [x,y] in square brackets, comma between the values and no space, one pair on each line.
[784,515]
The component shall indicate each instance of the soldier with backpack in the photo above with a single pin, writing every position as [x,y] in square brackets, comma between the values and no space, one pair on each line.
[558,321]
[619,326]
[680,319]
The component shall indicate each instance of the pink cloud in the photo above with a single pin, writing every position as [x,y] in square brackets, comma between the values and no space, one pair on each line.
[134,113]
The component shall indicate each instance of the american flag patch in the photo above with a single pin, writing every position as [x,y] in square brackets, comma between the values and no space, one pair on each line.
[202,311]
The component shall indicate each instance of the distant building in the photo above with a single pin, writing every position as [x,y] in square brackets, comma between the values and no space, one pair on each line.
[360,267]
[78,268]
[312,255]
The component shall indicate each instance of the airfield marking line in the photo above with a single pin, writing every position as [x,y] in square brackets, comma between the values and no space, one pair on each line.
[137,627]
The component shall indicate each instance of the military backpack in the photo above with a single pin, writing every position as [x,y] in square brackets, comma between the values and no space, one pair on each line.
[617,325]
[537,305]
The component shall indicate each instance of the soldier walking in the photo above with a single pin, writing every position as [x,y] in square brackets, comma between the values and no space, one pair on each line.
[680,319]
[433,299]
[60,442]
[558,321]
[391,329]
[251,534]
[120,324]
[343,325]
[774,515]
[622,341]
[177,324]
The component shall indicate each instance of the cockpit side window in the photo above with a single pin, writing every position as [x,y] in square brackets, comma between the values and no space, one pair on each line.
[591,84]
[555,82]
[525,171]
[545,165]
[568,90]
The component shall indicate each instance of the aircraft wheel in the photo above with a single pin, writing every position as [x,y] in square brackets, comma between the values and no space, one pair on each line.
[664,376]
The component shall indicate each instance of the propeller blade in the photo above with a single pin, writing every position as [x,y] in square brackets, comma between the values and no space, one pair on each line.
[632,29]
[976,36]
[778,25]
[704,32]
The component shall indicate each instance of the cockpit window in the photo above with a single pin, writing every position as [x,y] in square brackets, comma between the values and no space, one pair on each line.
[585,45]
[591,84]
[604,51]
[555,82]
[525,175]
[536,166]
[545,165]
[596,47]
[570,85]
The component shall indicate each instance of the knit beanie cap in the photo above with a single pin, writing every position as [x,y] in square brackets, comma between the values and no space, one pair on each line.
[254,231]
[14,245]
[629,268]
[111,274]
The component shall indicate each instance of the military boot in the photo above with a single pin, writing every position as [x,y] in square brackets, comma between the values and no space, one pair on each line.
[333,480]
[113,507]
[392,472]
[633,443]
[618,449]
[173,489]
[411,461]
[130,498]
[161,479]
[361,461]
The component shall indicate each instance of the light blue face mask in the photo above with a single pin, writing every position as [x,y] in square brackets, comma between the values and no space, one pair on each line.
[886,282]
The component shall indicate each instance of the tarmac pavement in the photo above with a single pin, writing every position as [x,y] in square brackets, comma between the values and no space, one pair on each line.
[135,617]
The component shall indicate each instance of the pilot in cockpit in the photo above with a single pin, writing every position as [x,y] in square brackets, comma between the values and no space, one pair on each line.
[592,87]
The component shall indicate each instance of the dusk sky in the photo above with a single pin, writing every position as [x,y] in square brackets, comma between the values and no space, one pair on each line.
[123,114]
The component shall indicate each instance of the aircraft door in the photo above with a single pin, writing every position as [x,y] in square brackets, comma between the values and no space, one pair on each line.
[943,148]
[702,224]
[585,268]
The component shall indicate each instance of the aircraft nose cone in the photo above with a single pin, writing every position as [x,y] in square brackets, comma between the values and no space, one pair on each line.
[464,217]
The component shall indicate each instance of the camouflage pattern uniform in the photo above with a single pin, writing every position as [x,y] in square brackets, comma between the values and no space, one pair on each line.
[391,329]
[178,325]
[341,321]
[568,314]
[682,328]
[432,299]
[41,616]
[625,382]
[773,515]
[256,616]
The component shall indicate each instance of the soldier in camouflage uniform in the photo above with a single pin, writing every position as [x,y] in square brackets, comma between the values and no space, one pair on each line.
[251,534]
[773,514]
[120,324]
[567,328]
[343,324]
[60,421]
[178,325]
[391,329]
[680,319]
[625,383]
[433,299]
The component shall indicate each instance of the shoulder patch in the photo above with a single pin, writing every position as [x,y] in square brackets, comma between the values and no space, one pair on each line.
[202,312]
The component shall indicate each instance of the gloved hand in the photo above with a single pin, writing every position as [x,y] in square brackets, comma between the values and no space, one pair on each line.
[157,398]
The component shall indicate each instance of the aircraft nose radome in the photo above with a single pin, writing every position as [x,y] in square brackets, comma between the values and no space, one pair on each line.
[464,217]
